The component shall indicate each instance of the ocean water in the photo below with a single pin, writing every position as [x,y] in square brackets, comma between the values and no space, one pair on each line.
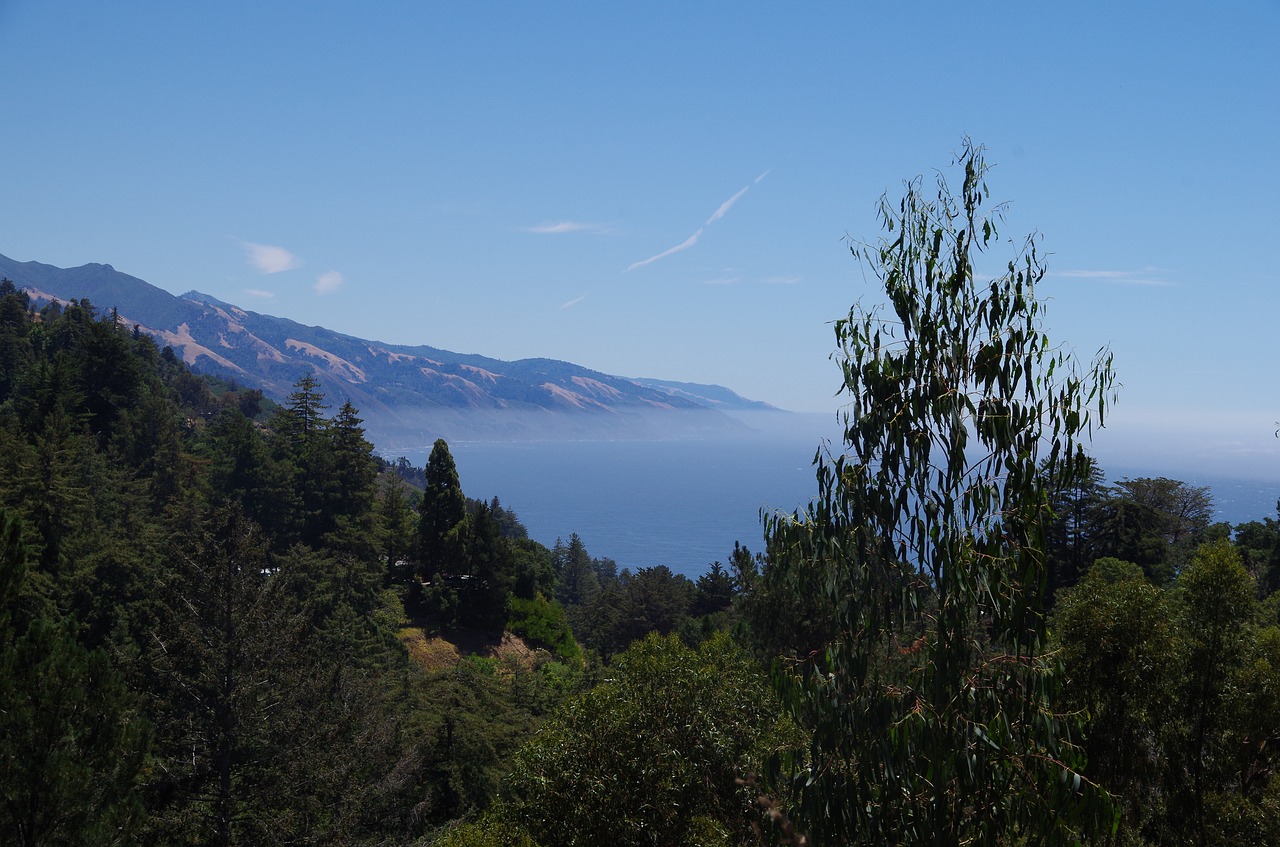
[683,503]
[680,503]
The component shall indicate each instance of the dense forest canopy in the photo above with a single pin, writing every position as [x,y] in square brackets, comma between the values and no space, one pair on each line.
[227,621]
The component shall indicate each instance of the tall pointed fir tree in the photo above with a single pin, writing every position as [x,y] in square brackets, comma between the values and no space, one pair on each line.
[491,567]
[577,582]
[397,526]
[302,443]
[352,485]
[442,514]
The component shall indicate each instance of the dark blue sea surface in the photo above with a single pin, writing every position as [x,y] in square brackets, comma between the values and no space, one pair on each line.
[642,503]
[683,503]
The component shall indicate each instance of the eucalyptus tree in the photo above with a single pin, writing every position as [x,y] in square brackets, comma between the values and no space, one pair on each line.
[1121,646]
[1218,598]
[930,708]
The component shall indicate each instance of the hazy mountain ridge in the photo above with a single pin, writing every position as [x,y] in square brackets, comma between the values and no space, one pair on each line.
[711,396]
[406,394]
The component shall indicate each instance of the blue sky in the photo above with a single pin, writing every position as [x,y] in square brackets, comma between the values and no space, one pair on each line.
[663,189]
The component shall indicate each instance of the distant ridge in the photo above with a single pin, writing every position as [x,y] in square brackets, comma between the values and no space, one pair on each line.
[711,396]
[407,395]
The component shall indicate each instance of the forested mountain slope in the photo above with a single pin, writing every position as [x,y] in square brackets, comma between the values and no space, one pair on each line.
[211,614]
[222,621]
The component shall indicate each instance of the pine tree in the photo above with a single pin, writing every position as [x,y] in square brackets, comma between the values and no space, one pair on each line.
[243,471]
[302,443]
[301,419]
[443,511]
[71,741]
[351,485]
[15,346]
[397,524]
[578,584]
[491,567]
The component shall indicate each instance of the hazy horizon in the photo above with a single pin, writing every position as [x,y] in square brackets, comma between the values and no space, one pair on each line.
[670,190]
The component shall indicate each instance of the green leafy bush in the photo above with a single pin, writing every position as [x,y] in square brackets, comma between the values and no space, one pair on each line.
[542,622]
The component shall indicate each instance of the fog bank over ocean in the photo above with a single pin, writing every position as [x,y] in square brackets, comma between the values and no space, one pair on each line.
[683,503]
[1182,443]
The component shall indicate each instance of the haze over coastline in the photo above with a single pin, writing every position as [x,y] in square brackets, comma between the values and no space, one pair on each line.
[668,423]
[597,185]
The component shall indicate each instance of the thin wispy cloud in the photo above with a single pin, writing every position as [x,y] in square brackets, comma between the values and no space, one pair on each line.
[571,303]
[726,206]
[269,259]
[763,174]
[562,227]
[258,293]
[1146,276]
[682,246]
[722,280]
[328,282]
[719,213]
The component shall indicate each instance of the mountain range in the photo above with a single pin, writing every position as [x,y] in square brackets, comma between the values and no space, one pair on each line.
[407,395]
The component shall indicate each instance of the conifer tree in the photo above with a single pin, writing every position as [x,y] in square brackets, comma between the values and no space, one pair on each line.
[242,470]
[15,346]
[354,467]
[301,419]
[577,582]
[442,512]
[491,567]
[71,741]
[397,524]
[351,485]
[302,443]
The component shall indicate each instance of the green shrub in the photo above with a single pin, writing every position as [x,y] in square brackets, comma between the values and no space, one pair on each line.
[542,622]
